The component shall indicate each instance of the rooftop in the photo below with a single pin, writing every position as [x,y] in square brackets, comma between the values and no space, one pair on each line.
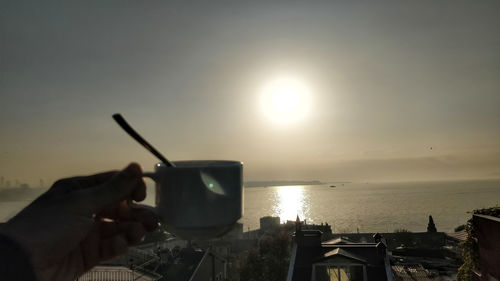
[494,212]
[312,259]
[415,272]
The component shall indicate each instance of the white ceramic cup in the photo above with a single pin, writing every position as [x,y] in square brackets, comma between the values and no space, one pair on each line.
[199,199]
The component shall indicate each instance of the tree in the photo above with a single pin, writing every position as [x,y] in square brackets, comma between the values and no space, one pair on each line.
[269,260]
[431,227]
[460,228]
[470,250]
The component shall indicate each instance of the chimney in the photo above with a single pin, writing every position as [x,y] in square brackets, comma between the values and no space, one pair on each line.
[308,238]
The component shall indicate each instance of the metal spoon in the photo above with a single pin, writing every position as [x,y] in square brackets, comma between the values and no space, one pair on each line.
[125,126]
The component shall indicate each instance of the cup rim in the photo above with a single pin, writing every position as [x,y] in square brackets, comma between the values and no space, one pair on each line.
[201,163]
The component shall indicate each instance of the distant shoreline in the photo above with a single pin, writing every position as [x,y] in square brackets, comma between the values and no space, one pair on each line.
[250,184]
[20,194]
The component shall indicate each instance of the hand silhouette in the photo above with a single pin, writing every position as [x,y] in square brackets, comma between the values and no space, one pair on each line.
[82,221]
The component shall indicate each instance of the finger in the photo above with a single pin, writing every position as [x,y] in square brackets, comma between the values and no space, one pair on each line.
[112,247]
[67,185]
[120,187]
[90,248]
[80,182]
[110,212]
[119,211]
[133,231]
[108,229]
[125,212]
[93,180]
[146,218]
[140,192]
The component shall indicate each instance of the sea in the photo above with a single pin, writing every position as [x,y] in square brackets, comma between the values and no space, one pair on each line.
[359,207]
[373,207]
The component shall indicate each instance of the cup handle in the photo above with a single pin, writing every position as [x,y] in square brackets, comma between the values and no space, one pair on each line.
[152,209]
[153,176]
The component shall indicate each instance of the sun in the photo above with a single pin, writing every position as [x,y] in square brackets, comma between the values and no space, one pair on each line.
[285,100]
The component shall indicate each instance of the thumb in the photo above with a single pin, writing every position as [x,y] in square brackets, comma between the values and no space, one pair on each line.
[119,187]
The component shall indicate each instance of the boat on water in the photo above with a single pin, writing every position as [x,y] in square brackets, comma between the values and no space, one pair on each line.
[333,186]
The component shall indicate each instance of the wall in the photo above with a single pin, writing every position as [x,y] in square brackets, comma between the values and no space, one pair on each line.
[487,232]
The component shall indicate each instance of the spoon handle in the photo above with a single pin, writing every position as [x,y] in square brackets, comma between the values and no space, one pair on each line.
[127,128]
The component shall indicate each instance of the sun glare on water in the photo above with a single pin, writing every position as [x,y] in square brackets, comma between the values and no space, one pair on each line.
[285,100]
[291,202]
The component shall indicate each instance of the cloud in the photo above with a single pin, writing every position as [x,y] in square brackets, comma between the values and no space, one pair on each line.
[450,166]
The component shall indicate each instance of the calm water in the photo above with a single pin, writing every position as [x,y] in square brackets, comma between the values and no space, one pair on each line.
[373,207]
[369,207]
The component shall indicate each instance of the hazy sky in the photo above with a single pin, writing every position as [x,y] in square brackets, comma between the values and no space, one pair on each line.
[387,80]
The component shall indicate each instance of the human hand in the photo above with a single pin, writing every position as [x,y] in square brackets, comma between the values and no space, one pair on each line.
[82,221]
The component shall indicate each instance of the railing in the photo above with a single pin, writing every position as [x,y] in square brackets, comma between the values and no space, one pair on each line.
[120,271]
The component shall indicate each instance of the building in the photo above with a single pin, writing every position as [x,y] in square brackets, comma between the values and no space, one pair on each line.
[116,273]
[414,272]
[394,240]
[338,259]
[487,232]
[269,224]
[290,226]
[193,265]
[180,264]
[236,232]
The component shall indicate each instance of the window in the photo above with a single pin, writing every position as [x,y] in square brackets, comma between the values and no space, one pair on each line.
[338,273]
